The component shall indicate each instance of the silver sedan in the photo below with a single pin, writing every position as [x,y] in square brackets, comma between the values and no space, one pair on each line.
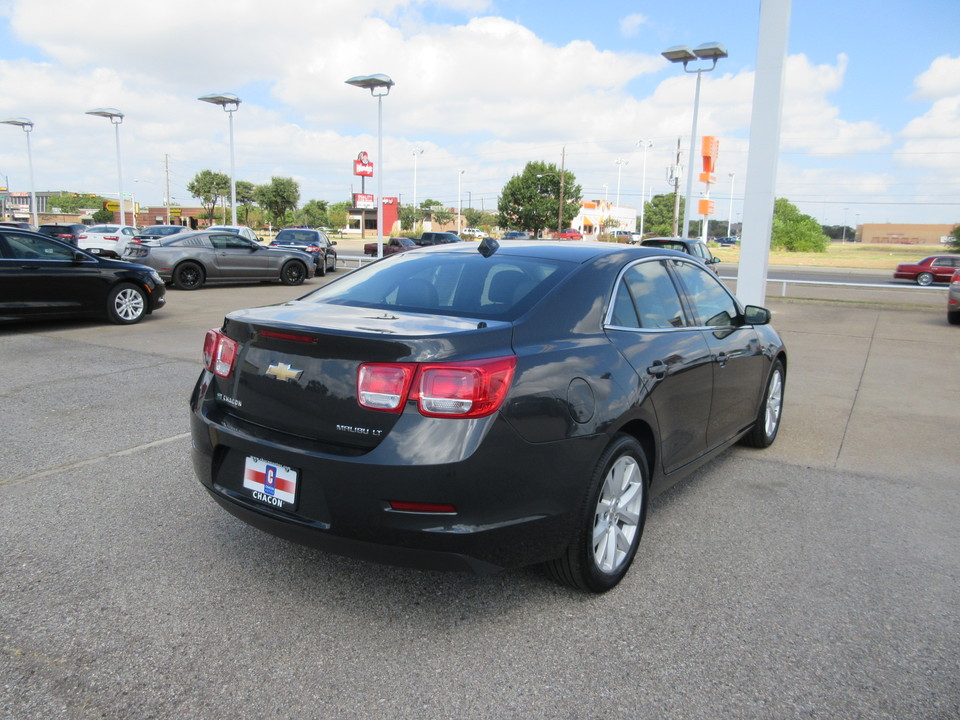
[191,260]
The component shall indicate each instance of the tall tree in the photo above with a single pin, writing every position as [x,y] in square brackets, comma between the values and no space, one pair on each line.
[314,213]
[209,187]
[531,200]
[338,213]
[795,232]
[245,198]
[658,215]
[278,196]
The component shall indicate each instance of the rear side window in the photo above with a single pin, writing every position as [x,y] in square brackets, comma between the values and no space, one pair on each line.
[460,284]
[29,247]
[647,298]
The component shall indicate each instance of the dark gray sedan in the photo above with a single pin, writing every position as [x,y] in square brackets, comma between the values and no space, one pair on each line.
[191,260]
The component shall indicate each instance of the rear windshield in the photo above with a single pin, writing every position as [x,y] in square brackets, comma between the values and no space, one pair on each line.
[161,230]
[460,284]
[307,237]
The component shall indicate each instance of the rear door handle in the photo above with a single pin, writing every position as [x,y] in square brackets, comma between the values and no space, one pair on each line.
[658,369]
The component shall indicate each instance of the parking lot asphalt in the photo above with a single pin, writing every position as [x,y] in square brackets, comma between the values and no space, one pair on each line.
[817,579]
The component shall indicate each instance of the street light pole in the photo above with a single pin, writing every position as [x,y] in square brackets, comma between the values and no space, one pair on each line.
[682,54]
[27,126]
[417,151]
[378,85]
[116,117]
[645,144]
[620,163]
[733,177]
[459,200]
[230,103]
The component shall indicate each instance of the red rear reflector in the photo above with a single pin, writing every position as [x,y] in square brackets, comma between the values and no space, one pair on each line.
[422,507]
[219,353]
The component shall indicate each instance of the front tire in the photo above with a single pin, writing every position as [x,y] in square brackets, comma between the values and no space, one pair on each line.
[767,424]
[611,520]
[924,279]
[188,276]
[126,304]
[293,273]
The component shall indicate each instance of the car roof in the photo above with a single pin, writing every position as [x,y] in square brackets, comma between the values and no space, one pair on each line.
[572,252]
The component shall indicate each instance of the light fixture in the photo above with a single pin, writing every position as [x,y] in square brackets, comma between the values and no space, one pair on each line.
[26,125]
[115,117]
[378,85]
[712,51]
[230,104]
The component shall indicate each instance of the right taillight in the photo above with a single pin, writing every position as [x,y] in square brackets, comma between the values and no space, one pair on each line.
[219,353]
[470,389]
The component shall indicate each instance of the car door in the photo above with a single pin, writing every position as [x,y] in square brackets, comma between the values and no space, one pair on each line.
[648,324]
[738,360]
[41,276]
[943,268]
[241,259]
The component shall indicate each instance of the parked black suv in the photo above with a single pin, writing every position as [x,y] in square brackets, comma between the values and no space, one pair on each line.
[67,232]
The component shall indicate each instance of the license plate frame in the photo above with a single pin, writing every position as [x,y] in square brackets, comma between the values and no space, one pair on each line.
[271,483]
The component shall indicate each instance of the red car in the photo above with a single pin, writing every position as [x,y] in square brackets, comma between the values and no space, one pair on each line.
[570,234]
[936,268]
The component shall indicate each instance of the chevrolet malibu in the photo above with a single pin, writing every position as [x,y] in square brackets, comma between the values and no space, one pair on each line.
[484,407]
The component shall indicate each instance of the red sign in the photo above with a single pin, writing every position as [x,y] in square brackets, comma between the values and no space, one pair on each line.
[364,201]
[362,165]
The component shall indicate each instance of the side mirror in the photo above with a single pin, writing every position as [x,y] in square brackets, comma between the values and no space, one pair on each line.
[333,242]
[713,261]
[755,315]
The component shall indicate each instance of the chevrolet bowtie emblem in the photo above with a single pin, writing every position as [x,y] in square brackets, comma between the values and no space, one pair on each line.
[282,371]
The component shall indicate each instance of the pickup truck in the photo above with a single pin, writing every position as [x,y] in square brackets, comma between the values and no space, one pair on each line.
[390,247]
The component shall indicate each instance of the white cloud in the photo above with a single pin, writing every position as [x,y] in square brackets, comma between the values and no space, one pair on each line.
[631,24]
[940,80]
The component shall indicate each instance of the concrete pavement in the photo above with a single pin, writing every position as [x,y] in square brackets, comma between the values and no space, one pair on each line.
[819,578]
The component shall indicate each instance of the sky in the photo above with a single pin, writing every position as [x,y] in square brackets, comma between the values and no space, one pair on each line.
[870,128]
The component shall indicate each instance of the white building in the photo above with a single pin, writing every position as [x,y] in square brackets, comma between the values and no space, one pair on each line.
[595,214]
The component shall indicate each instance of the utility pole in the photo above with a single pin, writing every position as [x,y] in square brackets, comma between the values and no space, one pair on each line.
[676,193]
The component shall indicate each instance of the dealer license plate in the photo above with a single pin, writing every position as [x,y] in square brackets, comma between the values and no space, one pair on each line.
[270,483]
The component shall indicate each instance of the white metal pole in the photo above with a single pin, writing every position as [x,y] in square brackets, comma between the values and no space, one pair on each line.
[760,185]
[33,195]
[687,214]
[733,177]
[233,176]
[116,127]
[380,176]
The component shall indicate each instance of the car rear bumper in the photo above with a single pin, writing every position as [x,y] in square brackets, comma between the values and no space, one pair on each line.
[516,502]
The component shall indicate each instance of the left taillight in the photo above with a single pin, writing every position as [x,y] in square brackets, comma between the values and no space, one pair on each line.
[219,353]
[452,390]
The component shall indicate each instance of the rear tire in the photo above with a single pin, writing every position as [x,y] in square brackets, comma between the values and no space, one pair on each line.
[293,273]
[610,521]
[924,279]
[126,304]
[953,317]
[188,276]
[767,424]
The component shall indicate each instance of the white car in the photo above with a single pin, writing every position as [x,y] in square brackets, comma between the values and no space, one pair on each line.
[473,232]
[106,240]
[241,230]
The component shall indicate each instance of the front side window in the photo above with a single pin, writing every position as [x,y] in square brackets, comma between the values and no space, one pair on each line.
[714,306]
[28,247]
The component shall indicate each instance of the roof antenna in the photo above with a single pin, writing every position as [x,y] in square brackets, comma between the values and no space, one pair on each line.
[488,246]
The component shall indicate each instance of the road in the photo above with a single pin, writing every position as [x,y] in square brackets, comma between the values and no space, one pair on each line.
[812,580]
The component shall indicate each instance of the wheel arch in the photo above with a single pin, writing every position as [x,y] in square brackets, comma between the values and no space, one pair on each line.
[643,433]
